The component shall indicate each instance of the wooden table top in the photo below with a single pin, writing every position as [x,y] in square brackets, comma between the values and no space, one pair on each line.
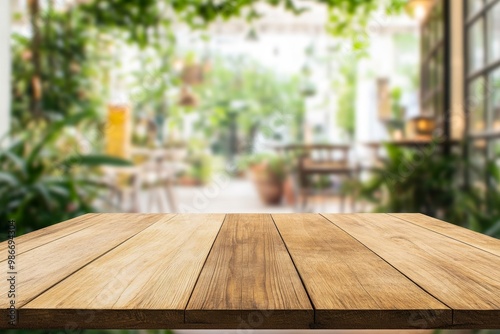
[252,271]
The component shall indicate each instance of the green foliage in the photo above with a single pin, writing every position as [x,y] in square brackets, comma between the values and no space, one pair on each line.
[276,165]
[346,112]
[347,18]
[201,164]
[44,179]
[414,181]
[480,206]
[396,107]
[425,181]
[246,99]
[61,75]
[66,72]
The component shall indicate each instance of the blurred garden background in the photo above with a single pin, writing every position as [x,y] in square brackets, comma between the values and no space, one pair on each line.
[250,106]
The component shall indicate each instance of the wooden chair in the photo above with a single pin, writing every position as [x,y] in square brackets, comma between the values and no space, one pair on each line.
[321,159]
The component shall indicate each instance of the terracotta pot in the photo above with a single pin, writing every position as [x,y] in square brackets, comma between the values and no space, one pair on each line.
[269,186]
[288,192]
[188,181]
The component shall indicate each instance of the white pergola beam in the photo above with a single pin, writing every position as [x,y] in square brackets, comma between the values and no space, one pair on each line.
[5,67]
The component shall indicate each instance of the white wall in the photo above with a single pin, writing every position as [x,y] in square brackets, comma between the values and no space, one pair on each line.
[4,67]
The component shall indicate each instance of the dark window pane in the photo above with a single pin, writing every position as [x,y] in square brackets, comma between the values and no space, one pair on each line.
[476,104]
[439,105]
[440,69]
[432,72]
[439,21]
[429,108]
[494,99]
[476,46]
[494,33]
[473,6]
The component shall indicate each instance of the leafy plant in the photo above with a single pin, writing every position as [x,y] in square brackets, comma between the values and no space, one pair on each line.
[396,107]
[41,185]
[414,181]
[425,181]
[479,207]
[277,166]
[56,71]
[242,100]
[346,113]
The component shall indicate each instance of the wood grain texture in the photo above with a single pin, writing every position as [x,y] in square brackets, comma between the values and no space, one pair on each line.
[145,282]
[44,266]
[462,234]
[48,234]
[253,271]
[349,285]
[249,280]
[465,278]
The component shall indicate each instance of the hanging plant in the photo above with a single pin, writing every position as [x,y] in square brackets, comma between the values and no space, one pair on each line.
[308,89]
[187,97]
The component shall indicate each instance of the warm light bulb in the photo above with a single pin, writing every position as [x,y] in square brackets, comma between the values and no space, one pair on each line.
[419,12]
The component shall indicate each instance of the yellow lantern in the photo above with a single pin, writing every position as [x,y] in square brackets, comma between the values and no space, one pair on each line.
[118,131]
[421,127]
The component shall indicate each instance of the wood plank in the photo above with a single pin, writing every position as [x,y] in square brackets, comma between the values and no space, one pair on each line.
[249,280]
[465,278]
[44,266]
[459,233]
[349,285]
[145,282]
[48,234]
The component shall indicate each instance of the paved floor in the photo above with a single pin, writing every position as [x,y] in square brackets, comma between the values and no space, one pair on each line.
[228,196]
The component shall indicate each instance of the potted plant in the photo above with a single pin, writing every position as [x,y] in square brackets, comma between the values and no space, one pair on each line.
[199,172]
[177,150]
[268,172]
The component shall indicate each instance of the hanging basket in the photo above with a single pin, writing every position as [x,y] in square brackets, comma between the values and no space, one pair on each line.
[193,75]
[187,97]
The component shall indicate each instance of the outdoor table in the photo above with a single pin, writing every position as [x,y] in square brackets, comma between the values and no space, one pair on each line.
[254,271]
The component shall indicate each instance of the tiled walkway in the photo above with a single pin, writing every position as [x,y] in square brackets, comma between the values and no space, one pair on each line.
[232,196]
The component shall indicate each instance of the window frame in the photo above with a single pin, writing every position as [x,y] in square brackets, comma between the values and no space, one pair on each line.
[484,72]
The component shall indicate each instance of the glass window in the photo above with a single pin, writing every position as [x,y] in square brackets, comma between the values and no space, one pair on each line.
[440,67]
[432,81]
[476,46]
[439,105]
[432,72]
[438,21]
[494,99]
[476,104]
[494,150]
[429,108]
[425,41]
[494,33]
[473,6]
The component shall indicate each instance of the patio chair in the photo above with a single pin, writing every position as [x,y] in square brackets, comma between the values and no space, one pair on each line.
[321,159]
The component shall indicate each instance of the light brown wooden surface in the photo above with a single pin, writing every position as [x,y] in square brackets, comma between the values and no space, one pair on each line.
[255,271]
[155,270]
[42,267]
[349,285]
[465,278]
[48,234]
[249,277]
[467,236]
